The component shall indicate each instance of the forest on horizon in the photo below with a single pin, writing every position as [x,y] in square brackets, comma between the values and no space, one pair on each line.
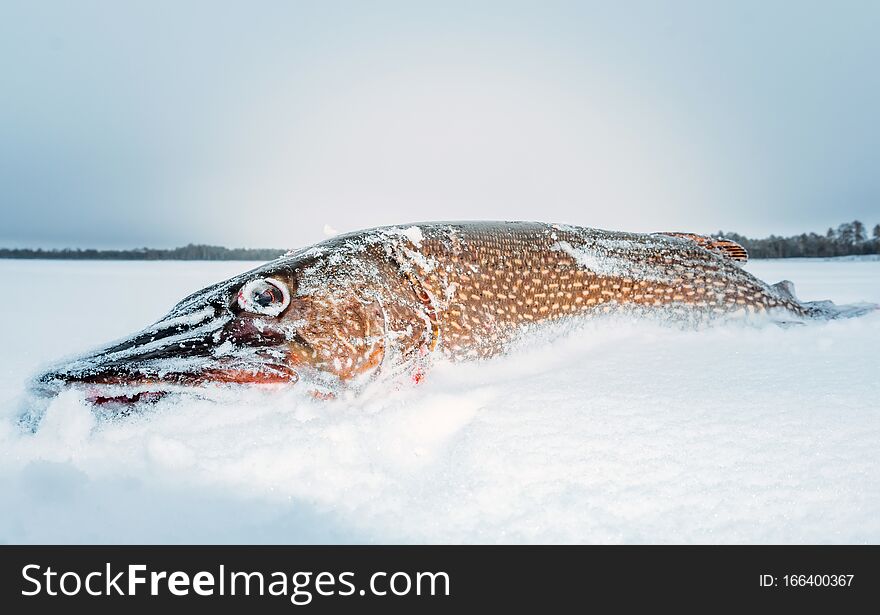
[849,238]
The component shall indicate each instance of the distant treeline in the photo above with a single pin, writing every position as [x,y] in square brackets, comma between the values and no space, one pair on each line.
[847,239]
[190,252]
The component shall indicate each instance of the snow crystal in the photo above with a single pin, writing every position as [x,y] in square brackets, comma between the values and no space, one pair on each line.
[414,234]
[190,319]
[607,258]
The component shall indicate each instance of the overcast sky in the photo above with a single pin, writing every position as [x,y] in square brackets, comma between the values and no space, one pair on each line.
[125,124]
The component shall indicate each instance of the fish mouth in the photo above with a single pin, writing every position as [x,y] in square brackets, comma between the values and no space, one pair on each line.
[151,382]
[180,354]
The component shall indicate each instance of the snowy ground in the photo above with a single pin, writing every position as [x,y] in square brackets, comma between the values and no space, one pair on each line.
[625,433]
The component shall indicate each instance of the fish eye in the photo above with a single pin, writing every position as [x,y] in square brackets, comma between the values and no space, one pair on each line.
[267,296]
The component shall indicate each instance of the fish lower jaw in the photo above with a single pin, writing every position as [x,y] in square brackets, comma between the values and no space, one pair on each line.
[149,397]
[130,394]
[125,394]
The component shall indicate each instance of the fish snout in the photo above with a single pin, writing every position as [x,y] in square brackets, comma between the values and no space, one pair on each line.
[192,348]
[138,358]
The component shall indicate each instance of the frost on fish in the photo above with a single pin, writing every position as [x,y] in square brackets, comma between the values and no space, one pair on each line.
[383,303]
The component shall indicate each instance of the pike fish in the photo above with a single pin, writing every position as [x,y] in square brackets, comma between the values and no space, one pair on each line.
[387,301]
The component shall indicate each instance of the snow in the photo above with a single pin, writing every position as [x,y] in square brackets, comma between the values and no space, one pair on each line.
[414,234]
[615,433]
[189,319]
[606,257]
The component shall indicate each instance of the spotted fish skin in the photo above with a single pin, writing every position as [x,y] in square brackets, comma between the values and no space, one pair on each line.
[479,284]
[465,290]
[384,301]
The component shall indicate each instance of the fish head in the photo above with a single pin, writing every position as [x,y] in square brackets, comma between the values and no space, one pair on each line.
[273,325]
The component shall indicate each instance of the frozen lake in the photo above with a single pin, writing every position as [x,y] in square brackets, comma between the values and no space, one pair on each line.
[615,434]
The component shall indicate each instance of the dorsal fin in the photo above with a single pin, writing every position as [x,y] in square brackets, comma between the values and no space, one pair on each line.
[725,247]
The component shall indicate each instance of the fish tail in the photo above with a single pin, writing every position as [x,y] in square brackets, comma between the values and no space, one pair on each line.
[828,310]
[823,310]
